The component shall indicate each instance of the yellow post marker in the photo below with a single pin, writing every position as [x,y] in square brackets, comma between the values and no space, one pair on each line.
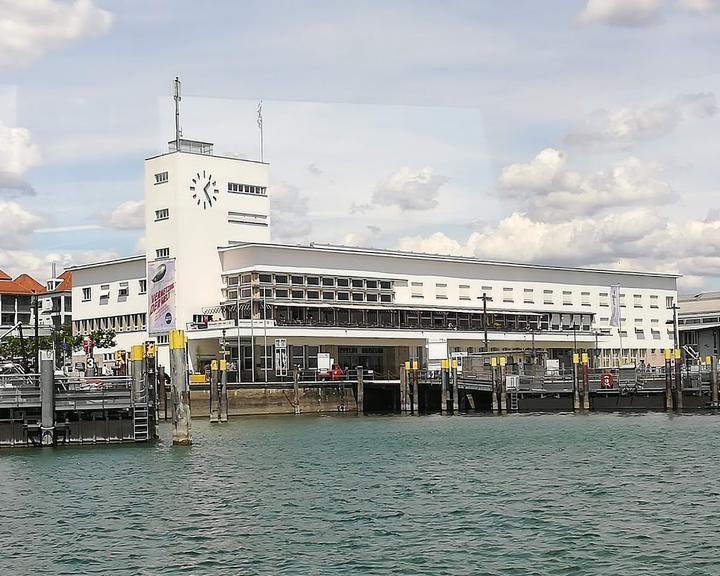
[576,358]
[213,365]
[502,360]
[223,365]
[137,352]
[584,358]
[493,362]
[708,360]
[454,363]
[444,365]
[407,365]
[678,354]
[668,354]
[415,365]
[176,339]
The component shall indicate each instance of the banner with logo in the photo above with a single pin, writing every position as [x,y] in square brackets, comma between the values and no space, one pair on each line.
[615,306]
[161,296]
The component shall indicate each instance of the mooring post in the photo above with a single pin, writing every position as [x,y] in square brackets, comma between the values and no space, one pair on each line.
[137,355]
[444,386]
[180,389]
[503,386]
[576,391]
[214,393]
[296,390]
[415,389]
[668,381]
[162,393]
[223,391]
[455,391]
[678,380]
[360,390]
[586,383]
[404,387]
[47,398]
[493,385]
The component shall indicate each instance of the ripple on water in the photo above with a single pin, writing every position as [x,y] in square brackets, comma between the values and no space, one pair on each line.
[545,494]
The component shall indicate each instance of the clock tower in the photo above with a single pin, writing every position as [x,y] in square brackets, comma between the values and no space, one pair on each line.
[196,202]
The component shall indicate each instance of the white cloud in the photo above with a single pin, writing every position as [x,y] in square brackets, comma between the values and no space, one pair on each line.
[289,209]
[700,6]
[129,215]
[18,153]
[139,247]
[39,265]
[624,126]
[30,28]
[16,224]
[546,188]
[621,12]
[410,190]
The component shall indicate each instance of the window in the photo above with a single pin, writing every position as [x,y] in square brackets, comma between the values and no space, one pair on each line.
[385,297]
[371,297]
[245,293]
[297,294]
[604,299]
[328,295]
[266,292]
[297,280]
[358,296]
[622,300]
[385,285]
[313,281]
[371,284]
[585,298]
[654,301]
[547,296]
[124,290]
[669,301]
[162,339]
[267,278]
[245,278]
[163,214]
[313,295]
[343,295]
[161,177]
[567,298]
[328,281]
[343,282]
[281,279]
[508,295]
[232,280]
[416,289]
[357,283]
[464,292]
[281,293]
[87,293]
[637,300]
[236,188]
[162,253]
[143,286]
[441,291]
[528,297]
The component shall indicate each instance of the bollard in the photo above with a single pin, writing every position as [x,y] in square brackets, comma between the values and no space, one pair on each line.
[214,393]
[502,386]
[162,393]
[404,387]
[360,390]
[223,391]
[576,391]
[47,398]
[586,383]
[455,391]
[180,389]
[415,390]
[668,382]
[444,386]
[296,390]
[493,385]
[678,380]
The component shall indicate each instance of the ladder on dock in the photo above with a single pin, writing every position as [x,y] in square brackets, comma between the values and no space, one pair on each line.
[514,402]
[141,422]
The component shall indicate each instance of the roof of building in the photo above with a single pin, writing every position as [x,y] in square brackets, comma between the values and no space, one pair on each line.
[107,263]
[699,296]
[426,256]
[65,284]
[4,276]
[23,284]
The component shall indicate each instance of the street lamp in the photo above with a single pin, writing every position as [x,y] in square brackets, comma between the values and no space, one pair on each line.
[485,298]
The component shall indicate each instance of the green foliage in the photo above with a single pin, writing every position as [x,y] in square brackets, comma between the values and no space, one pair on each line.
[11,347]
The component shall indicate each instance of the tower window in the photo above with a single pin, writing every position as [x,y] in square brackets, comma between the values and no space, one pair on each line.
[161,177]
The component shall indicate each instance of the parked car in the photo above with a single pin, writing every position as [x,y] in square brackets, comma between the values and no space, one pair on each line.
[335,373]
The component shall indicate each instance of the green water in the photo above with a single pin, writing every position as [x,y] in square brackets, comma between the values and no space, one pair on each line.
[540,494]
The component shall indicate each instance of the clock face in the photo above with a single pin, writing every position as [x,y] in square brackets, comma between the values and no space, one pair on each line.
[204,189]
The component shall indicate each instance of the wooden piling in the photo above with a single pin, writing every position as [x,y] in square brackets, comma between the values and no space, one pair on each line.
[455,391]
[503,386]
[214,393]
[360,399]
[296,390]
[586,383]
[162,392]
[493,385]
[415,390]
[668,382]
[576,387]
[47,398]
[137,369]
[180,389]
[223,391]
[404,396]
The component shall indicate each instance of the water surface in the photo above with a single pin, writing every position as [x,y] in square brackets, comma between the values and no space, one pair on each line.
[535,494]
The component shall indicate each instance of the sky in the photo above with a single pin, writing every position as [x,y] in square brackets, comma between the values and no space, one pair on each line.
[573,132]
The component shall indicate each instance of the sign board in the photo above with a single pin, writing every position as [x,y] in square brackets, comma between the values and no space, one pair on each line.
[552,367]
[606,380]
[280,343]
[323,359]
[161,296]
[512,382]
[221,324]
[281,362]
[437,351]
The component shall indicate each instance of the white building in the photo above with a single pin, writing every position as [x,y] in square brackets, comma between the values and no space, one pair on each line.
[210,217]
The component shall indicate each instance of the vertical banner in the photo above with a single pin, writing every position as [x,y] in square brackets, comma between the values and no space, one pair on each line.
[161,296]
[615,306]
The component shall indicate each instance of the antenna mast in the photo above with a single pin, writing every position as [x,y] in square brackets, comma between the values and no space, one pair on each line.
[177,97]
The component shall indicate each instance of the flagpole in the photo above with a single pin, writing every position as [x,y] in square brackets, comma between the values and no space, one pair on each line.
[237,314]
[260,125]
[265,354]
[252,333]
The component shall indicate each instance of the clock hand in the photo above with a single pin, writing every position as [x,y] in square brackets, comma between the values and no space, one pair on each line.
[207,196]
